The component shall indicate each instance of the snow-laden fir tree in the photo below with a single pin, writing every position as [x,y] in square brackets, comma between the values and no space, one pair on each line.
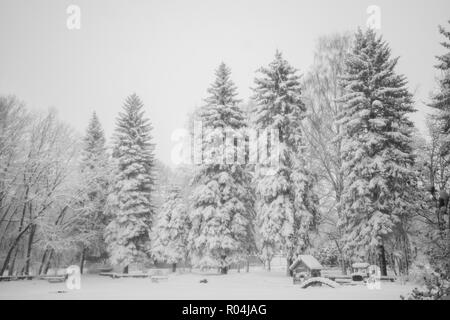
[127,235]
[440,248]
[171,228]
[441,99]
[376,149]
[221,213]
[286,204]
[95,177]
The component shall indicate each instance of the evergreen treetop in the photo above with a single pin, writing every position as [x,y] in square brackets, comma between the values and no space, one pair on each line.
[441,99]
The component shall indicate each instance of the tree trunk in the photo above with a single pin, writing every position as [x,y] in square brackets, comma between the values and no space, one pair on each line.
[401,269]
[14,245]
[223,270]
[342,265]
[12,265]
[382,260]
[448,216]
[83,257]
[289,263]
[125,270]
[29,249]
[11,249]
[44,257]
[393,265]
[341,259]
[247,267]
[406,260]
[2,238]
[49,260]
[268,265]
[48,253]
[174,267]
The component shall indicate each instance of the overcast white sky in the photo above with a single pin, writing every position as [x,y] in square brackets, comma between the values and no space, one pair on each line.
[166,51]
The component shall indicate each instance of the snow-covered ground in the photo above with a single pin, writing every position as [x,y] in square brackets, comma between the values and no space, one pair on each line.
[253,285]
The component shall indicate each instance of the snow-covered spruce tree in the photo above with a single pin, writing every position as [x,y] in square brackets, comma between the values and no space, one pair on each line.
[441,99]
[376,149]
[127,235]
[95,173]
[434,233]
[286,205]
[221,214]
[169,241]
[439,250]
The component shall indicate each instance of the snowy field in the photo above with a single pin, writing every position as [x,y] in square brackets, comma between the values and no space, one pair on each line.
[253,285]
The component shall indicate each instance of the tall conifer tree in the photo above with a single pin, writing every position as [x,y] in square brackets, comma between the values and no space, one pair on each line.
[171,230]
[441,99]
[127,234]
[376,148]
[221,217]
[95,172]
[286,205]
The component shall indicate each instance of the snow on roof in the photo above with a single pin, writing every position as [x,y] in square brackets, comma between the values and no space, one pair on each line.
[309,261]
[360,265]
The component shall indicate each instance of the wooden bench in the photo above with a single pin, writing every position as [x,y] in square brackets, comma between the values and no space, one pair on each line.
[12,278]
[56,279]
[115,275]
[338,278]
[7,278]
[25,277]
[159,278]
[53,279]
[107,274]
[387,278]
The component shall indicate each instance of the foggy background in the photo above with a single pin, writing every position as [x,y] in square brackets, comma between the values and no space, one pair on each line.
[166,51]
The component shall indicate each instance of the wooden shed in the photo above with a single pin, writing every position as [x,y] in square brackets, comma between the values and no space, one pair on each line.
[307,265]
